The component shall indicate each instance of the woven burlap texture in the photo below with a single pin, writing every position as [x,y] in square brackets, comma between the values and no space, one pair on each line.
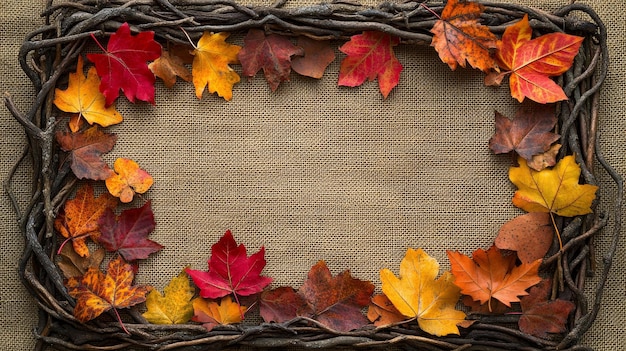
[314,171]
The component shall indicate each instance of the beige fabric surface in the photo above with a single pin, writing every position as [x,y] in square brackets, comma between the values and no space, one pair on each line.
[316,172]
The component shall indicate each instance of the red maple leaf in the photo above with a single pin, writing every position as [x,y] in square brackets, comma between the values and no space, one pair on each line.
[280,304]
[272,53]
[231,271]
[540,315]
[85,149]
[370,55]
[128,233]
[124,65]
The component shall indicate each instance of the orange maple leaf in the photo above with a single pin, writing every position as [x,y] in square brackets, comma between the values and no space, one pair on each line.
[97,293]
[491,275]
[370,55]
[381,311]
[531,63]
[458,37]
[169,66]
[79,219]
[212,314]
[211,65]
[83,96]
[128,180]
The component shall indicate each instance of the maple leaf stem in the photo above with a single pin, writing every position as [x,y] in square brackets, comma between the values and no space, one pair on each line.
[188,38]
[119,319]
[97,42]
[238,303]
[62,245]
[430,10]
[556,230]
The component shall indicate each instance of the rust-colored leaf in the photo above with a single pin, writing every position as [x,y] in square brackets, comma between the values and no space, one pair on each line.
[545,159]
[211,65]
[381,311]
[370,56]
[212,314]
[491,275]
[336,301]
[530,235]
[280,304]
[72,264]
[85,149]
[459,37]
[127,180]
[541,316]
[169,66]
[317,56]
[271,53]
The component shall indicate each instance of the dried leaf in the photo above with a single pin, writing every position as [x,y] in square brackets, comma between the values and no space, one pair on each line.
[382,312]
[212,314]
[416,294]
[168,67]
[72,264]
[127,234]
[490,275]
[459,37]
[370,55]
[128,180]
[83,96]
[211,65]
[272,53]
[530,235]
[280,304]
[546,159]
[124,65]
[317,56]
[85,149]
[553,190]
[175,306]
[541,316]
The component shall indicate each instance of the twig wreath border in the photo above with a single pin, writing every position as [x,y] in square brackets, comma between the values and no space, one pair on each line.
[48,53]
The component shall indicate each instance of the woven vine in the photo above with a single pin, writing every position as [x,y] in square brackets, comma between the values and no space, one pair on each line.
[49,53]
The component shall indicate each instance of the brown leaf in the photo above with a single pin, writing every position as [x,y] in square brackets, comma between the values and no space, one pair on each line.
[317,56]
[546,159]
[72,264]
[381,311]
[541,316]
[85,149]
[530,235]
[168,67]
[280,304]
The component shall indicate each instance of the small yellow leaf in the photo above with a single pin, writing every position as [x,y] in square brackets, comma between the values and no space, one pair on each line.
[210,65]
[553,190]
[175,306]
[128,180]
[212,314]
[417,294]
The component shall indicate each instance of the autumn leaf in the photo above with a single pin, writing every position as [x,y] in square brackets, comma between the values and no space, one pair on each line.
[79,219]
[128,180]
[124,65]
[382,312]
[553,190]
[459,37]
[416,293]
[528,134]
[174,306]
[85,149]
[127,234]
[317,56]
[210,65]
[541,316]
[531,62]
[545,159]
[72,264]
[231,271]
[370,55]
[272,53]
[280,304]
[530,235]
[212,314]
[336,301]
[83,96]
[97,293]
[169,66]
[491,275]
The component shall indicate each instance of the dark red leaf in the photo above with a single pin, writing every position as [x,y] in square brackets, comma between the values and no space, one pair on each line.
[280,305]
[85,149]
[541,316]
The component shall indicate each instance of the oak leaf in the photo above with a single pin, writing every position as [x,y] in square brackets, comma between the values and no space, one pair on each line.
[528,134]
[80,217]
[336,302]
[128,180]
[531,62]
[85,149]
[530,235]
[553,190]
[459,37]
[370,56]
[271,53]
[231,271]
[417,294]
[175,305]
[72,264]
[382,312]
[280,304]
[212,314]
[97,293]
[210,65]
[83,96]
[169,66]
[540,315]
[317,56]
[127,234]
[124,65]
[491,275]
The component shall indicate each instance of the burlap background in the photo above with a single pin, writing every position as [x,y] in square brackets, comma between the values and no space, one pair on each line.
[314,171]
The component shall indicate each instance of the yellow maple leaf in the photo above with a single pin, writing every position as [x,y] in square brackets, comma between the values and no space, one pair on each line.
[174,307]
[210,65]
[212,313]
[417,294]
[553,190]
[127,180]
[83,96]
